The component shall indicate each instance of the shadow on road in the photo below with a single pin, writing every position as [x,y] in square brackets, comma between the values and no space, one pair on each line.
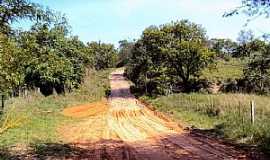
[181,146]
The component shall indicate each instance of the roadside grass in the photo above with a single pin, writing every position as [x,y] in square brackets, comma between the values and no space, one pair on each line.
[225,115]
[224,70]
[41,116]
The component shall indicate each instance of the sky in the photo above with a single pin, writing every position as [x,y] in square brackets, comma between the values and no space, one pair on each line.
[113,20]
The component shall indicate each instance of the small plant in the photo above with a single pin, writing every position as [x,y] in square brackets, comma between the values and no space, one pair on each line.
[8,121]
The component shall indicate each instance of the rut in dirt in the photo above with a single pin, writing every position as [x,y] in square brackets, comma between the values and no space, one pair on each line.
[125,129]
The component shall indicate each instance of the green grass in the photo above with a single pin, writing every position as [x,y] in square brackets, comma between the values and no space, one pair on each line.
[42,115]
[224,70]
[226,115]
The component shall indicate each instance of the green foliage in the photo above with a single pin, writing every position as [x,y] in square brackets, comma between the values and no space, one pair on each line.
[10,69]
[245,47]
[224,48]
[125,52]
[169,55]
[257,72]
[105,55]
[46,56]
[50,59]
[14,10]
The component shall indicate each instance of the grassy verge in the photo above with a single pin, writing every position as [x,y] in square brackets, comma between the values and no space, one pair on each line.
[226,115]
[41,116]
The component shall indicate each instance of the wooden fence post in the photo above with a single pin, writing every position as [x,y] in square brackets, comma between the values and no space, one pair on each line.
[252,111]
[2,103]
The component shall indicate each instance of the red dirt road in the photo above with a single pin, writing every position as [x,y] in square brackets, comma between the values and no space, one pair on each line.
[128,130]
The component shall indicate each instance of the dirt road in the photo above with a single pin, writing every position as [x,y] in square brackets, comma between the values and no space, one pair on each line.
[127,130]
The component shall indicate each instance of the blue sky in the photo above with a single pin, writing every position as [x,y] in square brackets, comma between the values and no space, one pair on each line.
[114,20]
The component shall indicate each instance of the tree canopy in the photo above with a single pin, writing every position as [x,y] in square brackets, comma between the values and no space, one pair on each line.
[257,71]
[223,47]
[47,56]
[14,10]
[105,55]
[125,52]
[167,56]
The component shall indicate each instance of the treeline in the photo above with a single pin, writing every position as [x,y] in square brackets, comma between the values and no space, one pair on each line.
[47,56]
[245,46]
[170,58]
[256,54]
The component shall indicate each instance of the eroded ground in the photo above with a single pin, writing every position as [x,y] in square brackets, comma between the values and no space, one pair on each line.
[121,128]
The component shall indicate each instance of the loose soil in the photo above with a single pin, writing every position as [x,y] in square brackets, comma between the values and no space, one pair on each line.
[122,128]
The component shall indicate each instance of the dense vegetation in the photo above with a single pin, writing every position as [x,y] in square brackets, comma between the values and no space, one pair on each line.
[47,56]
[125,52]
[169,57]
[104,55]
[178,57]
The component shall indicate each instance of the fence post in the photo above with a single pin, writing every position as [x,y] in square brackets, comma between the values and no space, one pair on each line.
[252,111]
[2,103]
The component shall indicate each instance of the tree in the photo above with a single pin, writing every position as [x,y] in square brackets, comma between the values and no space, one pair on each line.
[125,51]
[223,47]
[252,8]
[52,60]
[245,39]
[46,56]
[248,45]
[169,56]
[11,74]
[257,72]
[33,58]
[105,55]
[13,10]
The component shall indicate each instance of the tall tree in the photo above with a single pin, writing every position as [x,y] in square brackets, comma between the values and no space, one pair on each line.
[169,56]
[11,73]
[244,40]
[125,51]
[105,55]
[257,72]
[14,10]
[52,59]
